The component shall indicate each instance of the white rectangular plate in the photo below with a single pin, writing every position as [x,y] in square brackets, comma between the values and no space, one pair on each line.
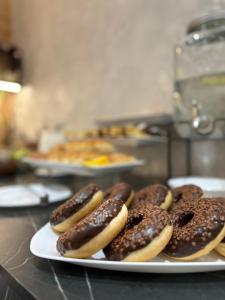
[83,170]
[43,244]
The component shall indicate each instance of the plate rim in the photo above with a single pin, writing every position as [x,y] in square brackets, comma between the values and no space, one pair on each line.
[52,163]
[96,262]
[80,170]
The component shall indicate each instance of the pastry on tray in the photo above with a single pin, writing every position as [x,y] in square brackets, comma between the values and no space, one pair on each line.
[90,153]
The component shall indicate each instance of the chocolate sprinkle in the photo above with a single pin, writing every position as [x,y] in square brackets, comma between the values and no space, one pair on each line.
[74,204]
[195,225]
[120,191]
[143,225]
[89,227]
[154,194]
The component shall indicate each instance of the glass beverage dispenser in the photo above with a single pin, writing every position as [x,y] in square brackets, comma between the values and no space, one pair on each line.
[199,89]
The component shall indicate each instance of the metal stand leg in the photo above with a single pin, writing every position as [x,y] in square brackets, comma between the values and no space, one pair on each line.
[169,158]
[169,154]
[188,157]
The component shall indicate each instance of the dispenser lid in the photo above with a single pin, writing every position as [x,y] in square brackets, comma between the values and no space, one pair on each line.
[208,21]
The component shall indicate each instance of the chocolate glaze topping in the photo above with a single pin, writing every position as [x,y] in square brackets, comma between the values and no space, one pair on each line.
[120,191]
[71,206]
[154,194]
[90,226]
[195,226]
[143,225]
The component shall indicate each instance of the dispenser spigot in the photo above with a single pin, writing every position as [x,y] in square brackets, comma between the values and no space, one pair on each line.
[201,123]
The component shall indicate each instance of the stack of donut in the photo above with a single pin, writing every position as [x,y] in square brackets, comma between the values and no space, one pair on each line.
[129,226]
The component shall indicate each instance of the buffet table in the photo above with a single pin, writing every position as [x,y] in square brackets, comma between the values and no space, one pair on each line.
[23,276]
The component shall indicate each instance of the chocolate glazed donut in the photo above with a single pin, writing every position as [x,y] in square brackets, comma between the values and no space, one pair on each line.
[156,194]
[122,191]
[221,247]
[95,231]
[198,228]
[146,233]
[185,194]
[73,210]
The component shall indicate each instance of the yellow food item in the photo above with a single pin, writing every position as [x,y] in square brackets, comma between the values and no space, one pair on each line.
[110,159]
[98,161]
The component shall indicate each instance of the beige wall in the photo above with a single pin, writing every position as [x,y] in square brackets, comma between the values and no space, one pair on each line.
[93,58]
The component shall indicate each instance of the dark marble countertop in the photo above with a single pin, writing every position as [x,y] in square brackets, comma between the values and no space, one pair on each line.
[23,276]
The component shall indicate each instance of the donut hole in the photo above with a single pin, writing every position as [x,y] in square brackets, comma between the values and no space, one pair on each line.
[185,218]
[135,220]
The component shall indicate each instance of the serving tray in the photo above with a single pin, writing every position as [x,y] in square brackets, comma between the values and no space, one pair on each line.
[43,244]
[78,169]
